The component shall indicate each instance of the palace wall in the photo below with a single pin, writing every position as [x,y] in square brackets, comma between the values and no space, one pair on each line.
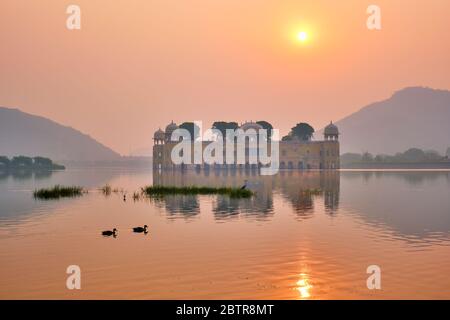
[293,155]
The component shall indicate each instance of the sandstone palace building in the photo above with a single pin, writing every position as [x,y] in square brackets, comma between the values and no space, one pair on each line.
[294,153]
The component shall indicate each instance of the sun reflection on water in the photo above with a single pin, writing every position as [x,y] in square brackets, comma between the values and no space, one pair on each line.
[304,287]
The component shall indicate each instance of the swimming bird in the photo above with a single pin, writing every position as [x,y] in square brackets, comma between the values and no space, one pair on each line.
[140,229]
[109,233]
[245,185]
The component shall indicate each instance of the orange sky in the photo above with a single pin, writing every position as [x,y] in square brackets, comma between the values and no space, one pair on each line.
[137,64]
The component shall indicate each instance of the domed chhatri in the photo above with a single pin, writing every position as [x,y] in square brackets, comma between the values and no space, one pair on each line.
[159,136]
[171,127]
[331,132]
[251,125]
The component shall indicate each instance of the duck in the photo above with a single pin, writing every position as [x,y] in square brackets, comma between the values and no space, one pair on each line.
[140,229]
[109,233]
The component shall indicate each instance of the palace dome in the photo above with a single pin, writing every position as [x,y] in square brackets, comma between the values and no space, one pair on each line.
[159,135]
[172,126]
[251,125]
[331,129]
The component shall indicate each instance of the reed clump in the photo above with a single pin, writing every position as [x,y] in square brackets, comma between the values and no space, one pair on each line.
[58,192]
[194,190]
[137,196]
[107,190]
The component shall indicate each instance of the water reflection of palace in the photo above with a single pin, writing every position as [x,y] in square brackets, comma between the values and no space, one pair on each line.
[301,189]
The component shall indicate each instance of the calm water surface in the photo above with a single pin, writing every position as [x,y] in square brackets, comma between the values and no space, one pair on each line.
[284,243]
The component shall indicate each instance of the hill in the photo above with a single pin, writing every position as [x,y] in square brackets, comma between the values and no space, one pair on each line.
[413,117]
[25,134]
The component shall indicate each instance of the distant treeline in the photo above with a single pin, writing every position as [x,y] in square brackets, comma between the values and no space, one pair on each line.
[302,131]
[412,155]
[31,163]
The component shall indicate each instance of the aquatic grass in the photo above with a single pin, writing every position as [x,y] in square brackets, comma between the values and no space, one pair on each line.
[58,192]
[193,190]
[106,189]
[137,196]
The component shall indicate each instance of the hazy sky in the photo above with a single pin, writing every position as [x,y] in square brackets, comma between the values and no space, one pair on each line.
[137,64]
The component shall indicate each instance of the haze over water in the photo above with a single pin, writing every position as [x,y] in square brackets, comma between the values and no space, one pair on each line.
[284,243]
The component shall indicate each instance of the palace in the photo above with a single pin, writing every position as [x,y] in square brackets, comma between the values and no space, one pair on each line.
[294,153]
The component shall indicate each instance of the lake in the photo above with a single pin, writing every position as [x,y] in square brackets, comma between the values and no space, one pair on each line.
[303,235]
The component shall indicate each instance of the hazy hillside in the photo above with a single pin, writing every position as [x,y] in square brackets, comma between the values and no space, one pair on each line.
[26,134]
[413,117]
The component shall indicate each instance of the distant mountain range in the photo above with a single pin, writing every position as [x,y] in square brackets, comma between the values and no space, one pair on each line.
[25,134]
[412,117]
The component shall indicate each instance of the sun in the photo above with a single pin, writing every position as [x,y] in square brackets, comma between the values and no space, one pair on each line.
[302,36]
